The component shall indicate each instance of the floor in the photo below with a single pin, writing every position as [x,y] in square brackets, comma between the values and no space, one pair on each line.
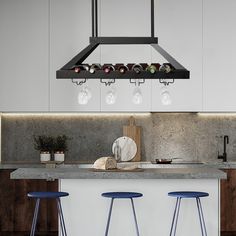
[228,233]
[27,234]
[56,234]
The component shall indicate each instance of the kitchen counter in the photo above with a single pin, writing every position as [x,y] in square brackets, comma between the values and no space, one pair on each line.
[85,204]
[216,165]
[146,173]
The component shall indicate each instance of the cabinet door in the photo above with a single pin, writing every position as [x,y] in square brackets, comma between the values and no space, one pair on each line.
[219,37]
[179,29]
[228,203]
[70,27]
[24,55]
[125,18]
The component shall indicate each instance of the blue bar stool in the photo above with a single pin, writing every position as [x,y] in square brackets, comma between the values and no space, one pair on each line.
[39,196]
[122,195]
[188,194]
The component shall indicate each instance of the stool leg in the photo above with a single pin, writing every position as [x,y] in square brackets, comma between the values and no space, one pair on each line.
[109,217]
[204,225]
[62,221]
[175,217]
[201,217]
[36,210]
[135,218]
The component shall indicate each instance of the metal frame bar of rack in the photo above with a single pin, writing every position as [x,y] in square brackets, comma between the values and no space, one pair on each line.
[67,72]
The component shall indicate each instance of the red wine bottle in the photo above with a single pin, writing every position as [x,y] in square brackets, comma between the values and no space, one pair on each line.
[94,67]
[122,68]
[107,68]
[78,68]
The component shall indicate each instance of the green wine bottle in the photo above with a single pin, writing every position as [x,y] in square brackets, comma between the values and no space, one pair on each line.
[153,68]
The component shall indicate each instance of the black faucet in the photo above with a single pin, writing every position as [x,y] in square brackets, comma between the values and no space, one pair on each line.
[224,156]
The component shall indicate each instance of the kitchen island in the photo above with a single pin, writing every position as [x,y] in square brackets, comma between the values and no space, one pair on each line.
[86,211]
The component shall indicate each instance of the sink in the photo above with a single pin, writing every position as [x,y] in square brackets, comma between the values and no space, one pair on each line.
[228,163]
[222,164]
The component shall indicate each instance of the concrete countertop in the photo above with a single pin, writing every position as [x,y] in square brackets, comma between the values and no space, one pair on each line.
[148,173]
[217,165]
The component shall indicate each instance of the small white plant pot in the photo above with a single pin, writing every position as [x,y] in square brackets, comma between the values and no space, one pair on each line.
[45,156]
[59,157]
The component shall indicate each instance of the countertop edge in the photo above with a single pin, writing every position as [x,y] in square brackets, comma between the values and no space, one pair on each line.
[69,173]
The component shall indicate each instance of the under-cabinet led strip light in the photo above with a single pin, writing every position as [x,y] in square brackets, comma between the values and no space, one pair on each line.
[111,114]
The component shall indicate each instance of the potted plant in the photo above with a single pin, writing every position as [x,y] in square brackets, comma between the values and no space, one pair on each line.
[44,144]
[60,147]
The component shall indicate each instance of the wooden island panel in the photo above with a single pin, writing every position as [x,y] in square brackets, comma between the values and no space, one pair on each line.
[16,209]
[228,204]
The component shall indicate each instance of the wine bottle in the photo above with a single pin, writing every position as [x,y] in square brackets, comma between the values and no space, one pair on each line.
[144,65]
[78,68]
[137,68]
[153,68]
[122,68]
[107,68]
[166,67]
[94,67]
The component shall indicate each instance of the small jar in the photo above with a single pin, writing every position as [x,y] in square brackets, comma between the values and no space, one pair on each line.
[45,156]
[59,156]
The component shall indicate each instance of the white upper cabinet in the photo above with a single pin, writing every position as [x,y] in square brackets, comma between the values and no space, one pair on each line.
[39,37]
[219,58]
[70,27]
[179,29]
[24,63]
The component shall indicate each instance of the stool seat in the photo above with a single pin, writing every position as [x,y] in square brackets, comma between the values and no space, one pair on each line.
[122,194]
[188,194]
[47,194]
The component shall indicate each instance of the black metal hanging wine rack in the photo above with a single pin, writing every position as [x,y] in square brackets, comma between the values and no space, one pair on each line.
[67,71]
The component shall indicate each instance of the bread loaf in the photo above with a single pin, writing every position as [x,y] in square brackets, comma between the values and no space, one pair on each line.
[105,163]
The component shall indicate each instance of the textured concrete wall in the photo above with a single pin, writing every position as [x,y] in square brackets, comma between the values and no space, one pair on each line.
[164,135]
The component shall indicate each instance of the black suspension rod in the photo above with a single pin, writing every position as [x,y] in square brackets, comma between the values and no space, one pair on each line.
[92,1]
[96,18]
[152,18]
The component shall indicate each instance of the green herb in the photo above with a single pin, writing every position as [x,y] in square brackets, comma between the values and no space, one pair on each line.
[44,143]
[60,143]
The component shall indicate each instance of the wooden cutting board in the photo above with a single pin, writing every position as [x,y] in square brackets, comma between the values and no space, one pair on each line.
[134,132]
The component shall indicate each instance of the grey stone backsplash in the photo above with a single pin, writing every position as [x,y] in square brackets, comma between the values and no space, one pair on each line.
[188,136]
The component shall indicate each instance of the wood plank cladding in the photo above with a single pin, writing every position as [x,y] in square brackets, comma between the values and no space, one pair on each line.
[228,203]
[16,209]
